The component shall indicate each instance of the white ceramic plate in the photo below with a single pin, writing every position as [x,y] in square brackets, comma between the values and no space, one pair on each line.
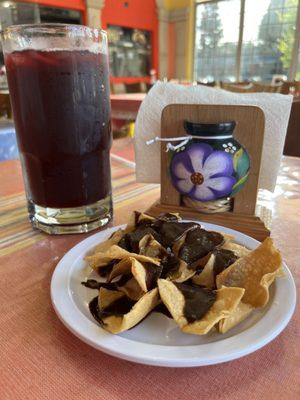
[158,340]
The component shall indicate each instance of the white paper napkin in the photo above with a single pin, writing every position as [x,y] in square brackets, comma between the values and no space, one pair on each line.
[275,106]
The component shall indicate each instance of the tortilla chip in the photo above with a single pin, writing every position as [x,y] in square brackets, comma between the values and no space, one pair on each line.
[178,244]
[117,324]
[101,259]
[217,240]
[173,299]
[123,267]
[239,250]
[227,237]
[206,277]
[182,274]
[132,289]
[226,301]
[242,311]
[136,218]
[114,239]
[143,273]
[255,272]
[107,297]
[150,247]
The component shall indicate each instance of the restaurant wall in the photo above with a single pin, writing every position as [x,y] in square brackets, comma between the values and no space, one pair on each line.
[140,14]
[180,38]
[78,5]
[70,4]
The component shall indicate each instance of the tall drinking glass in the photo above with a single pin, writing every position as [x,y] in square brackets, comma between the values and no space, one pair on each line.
[59,86]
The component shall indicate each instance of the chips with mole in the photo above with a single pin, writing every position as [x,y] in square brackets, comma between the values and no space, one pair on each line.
[182,273]
[206,276]
[219,260]
[107,297]
[183,264]
[116,322]
[227,299]
[137,218]
[144,273]
[150,247]
[101,259]
[131,289]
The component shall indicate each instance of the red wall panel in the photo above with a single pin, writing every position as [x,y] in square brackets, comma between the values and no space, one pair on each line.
[140,14]
[70,4]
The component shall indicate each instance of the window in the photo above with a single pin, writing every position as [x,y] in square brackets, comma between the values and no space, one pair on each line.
[261,48]
[216,40]
[268,38]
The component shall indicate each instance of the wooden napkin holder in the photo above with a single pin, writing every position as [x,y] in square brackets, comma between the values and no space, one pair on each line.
[249,131]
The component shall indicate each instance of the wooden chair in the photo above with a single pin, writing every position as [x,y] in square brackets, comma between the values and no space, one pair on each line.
[231,87]
[210,84]
[292,141]
[261,87]
[133,87]
[289,87]
[5,107]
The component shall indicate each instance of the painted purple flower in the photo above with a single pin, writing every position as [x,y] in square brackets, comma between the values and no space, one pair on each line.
[202,173]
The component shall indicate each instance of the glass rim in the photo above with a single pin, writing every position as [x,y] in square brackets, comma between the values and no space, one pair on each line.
[19,27]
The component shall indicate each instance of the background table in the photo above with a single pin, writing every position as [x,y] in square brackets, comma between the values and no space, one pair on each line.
[41,359]
[126,106]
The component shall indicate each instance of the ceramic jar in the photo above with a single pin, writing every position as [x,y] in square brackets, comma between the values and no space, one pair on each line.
[212,165]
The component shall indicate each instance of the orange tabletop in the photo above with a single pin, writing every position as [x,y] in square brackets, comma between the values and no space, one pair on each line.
[41,359]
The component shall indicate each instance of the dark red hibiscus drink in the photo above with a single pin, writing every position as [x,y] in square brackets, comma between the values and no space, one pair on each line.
[59,87]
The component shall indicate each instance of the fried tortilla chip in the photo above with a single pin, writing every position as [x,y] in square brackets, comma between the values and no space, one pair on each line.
[179,243]
[241,312]
[107,297]
[182,274]
[123,267]
[145,274]
[226,302]
[255,272]
[136,219]
[101,259]
[227,299]
[219,259]
[119,323]
[239,250]
[150,247]
[206,277]
[197,246]
[131,289]
[114,239]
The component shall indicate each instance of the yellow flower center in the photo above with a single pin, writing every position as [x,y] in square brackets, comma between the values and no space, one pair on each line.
[197,178]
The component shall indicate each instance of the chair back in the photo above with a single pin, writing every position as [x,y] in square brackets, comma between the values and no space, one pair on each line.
[291,87]
[231,87]
[291,147]
[267,88]
[5,107]
[133,87]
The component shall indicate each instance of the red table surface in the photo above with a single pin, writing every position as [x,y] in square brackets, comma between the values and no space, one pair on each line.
[41,359]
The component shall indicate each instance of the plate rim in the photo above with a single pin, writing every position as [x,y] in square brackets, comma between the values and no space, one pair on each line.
[156,354]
